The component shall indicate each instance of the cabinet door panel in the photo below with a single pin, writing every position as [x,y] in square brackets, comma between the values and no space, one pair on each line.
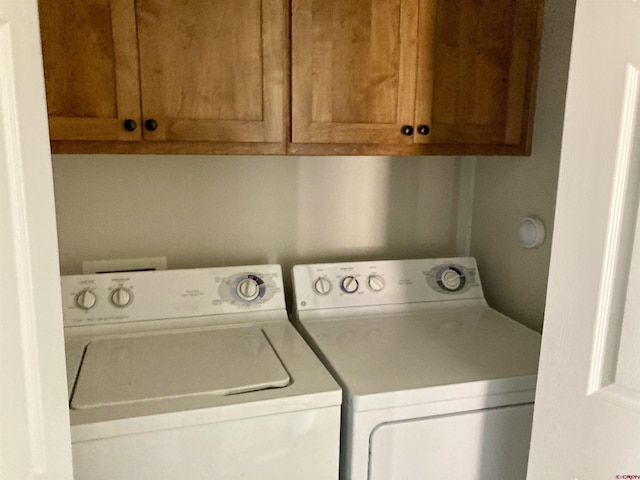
[483,54]
[91,68]
[213,71]
[353,67]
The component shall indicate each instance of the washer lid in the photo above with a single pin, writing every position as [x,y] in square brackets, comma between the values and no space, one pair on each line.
[171,365]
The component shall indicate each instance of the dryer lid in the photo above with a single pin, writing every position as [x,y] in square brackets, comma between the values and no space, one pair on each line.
[425,356]
[170,365]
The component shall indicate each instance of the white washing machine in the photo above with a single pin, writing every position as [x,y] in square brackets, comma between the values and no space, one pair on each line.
[194,374]
[436,383]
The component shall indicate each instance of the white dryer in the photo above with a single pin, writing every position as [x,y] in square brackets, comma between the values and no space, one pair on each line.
[436,384]
[194,374]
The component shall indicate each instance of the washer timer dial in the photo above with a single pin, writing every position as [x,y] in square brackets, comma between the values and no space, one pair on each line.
[248,288]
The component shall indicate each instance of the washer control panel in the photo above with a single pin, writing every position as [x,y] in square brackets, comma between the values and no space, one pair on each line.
[385,282]
[132,296]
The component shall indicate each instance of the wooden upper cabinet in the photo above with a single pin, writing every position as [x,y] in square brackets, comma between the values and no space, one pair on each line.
[484,56]
[91,68]
[458,72]
[202,70]
[213,70]
[353,70]
[392,77]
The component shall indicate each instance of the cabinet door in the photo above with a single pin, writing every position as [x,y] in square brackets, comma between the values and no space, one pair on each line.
[354,70]
[213,70]
[91,68]
[484,57]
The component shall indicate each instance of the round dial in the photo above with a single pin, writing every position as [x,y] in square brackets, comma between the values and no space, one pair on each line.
[322,286]
[349,284]
[375,282]
[248,289]
[451,279]
[121,297]
[86,299]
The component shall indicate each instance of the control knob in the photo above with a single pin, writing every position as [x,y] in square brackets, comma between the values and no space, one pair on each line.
[86,299]
[375,282]
[349,284]
[451,279]
[121,297]
[322,286]
[248,289]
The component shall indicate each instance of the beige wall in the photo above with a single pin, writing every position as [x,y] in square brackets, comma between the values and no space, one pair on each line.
[211,211]
[510,188]
[214,210]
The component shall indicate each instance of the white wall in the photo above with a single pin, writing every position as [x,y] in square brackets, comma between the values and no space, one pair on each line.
[216,210]
[510,188]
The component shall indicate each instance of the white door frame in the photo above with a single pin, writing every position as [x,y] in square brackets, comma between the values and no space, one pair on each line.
[34,417]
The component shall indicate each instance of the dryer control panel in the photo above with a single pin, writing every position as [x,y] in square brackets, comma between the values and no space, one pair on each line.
[385,282]
[151,295]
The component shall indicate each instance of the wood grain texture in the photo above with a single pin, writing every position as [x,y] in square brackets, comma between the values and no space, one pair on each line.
[360,70]
[465,68]
[168,147]
[307,149]
[485,64]
[532,82]
[213,71]
[91,68]
[425,71]
[416,149]
[353,70]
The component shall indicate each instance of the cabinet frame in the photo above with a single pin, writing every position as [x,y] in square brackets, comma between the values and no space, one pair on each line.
[287,146]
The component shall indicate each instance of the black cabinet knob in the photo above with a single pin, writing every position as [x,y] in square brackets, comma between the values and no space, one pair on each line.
[130,125]
[407,130]
[151,124]
[423,129]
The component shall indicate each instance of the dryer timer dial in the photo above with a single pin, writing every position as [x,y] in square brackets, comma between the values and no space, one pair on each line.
[451,278]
